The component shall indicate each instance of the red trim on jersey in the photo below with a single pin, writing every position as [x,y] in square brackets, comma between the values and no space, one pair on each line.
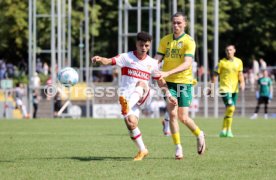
[156,78]
[144,99]
[113,61]
[135,73]
[135,54]
[135,137]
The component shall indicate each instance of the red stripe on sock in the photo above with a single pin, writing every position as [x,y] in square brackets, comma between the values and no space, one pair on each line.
[135,137]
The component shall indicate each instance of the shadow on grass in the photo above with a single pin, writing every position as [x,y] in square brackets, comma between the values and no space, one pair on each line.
[101,158]
[112,158]
[6,161]
[86,159]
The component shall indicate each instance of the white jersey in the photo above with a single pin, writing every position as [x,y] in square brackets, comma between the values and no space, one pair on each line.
[134,69]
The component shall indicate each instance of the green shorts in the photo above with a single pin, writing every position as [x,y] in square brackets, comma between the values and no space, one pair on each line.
[183,93]
[229,99]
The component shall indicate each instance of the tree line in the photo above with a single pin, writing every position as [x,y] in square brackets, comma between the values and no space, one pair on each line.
[249,25]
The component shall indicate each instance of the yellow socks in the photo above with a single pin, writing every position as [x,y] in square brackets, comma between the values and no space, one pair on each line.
[176,138]
[196,132]
[227,122]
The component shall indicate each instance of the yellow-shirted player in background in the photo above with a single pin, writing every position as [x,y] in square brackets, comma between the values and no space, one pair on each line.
[177,51]
[230,72]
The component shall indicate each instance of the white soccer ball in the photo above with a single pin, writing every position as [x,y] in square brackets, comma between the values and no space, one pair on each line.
[68,76]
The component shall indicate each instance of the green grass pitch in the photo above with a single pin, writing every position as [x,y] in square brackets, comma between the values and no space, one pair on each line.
[102,149]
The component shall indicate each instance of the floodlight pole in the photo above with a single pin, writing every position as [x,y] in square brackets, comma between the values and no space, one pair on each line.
[192,33]
[59,33]
[139,13]
[69,33]
[126,26]
[81,51]
[86,12]
[53,49]
[192,18]
[150,22]
[33,69]
[174,6]
[30,53]
[120,31]
[63,34]
[205,56]
[158,19]
[216,52]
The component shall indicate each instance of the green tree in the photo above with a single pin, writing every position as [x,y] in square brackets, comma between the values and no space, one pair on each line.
[250,25]
[14,28]
[13,31]
[253,30]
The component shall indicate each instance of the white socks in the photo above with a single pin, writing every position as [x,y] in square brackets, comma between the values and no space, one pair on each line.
[136,136]
[167,123]
[23,111]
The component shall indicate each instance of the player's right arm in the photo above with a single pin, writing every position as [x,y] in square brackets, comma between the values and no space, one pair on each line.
[101,60]
[213,79]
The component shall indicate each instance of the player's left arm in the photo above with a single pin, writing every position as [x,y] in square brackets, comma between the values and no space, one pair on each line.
[165,90]
[241,80]
[271,90]
[240,76]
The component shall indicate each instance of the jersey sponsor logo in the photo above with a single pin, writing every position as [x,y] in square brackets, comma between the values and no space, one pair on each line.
[136,73]
[175,53]
[180,44]
[149,67]
[264,83]
[167,52]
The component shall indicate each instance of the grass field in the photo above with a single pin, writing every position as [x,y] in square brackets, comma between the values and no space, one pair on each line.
[102,149]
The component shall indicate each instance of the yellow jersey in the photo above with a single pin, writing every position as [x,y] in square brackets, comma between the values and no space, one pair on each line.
[228,71]
[173,51]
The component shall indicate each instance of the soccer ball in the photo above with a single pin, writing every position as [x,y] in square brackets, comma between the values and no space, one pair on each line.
[68,76]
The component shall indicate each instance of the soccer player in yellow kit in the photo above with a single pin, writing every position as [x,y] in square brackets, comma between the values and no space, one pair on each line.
[177,51]
[229,70]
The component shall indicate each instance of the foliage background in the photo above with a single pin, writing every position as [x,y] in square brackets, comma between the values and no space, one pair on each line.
[250,25]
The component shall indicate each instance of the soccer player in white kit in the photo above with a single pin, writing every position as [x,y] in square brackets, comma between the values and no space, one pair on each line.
[137,68]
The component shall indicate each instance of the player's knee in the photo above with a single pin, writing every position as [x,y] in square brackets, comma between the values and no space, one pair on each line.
[230,110]
[140,83]
[184,119]
[173,116]
[131,123]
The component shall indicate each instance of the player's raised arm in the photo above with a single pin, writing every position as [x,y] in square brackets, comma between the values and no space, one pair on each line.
[101,60]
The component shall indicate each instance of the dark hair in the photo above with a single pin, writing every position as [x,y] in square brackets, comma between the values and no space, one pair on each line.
[230,45]
[143,36]
[179,14]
